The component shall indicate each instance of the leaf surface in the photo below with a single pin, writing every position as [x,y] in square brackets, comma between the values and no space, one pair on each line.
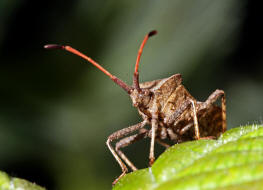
[234,161]
[11,183]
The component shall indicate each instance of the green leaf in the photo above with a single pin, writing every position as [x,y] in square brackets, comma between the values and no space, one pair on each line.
[233,162]
[10,183]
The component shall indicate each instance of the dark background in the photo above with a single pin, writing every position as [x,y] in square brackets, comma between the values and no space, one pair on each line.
[56,112]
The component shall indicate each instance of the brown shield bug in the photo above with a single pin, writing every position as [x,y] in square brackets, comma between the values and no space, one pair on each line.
[167,107]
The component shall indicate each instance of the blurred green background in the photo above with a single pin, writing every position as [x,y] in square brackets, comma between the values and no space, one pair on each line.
[56,112]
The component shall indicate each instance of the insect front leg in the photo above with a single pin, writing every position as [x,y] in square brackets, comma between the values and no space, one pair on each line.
[127,141]
[153,134]
[117,135]
[212,98]
[154,123]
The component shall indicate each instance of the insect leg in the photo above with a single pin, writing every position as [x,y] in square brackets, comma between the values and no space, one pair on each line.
[186,128]
[154,123]
[153,134]
[165,145]
[197,134]
[127,141]
[117,135]
[212,98]
[173,136]
[173,119]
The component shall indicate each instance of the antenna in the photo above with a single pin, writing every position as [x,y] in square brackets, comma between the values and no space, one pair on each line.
[136,73]
[78,53]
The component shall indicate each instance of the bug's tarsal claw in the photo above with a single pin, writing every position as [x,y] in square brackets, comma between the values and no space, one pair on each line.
[151,161]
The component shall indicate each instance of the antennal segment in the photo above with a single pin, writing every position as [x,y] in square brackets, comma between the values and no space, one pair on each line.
[78,53]
[136,73]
